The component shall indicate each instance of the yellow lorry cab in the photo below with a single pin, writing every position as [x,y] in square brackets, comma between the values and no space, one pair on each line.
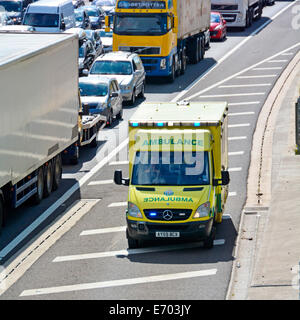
[178,171]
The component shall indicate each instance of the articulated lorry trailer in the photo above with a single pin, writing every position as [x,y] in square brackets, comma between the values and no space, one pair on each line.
[165,33]
[238,13]
[39,113]
[178,172]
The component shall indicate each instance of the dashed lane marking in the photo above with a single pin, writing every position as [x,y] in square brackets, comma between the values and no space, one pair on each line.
[240,125]
[118,204]
[258,76]
[125,253]
[246,85]
[116,163]
[236,153]
[102,231]
[243,103]
[100,182]
[234,95]
[235,169]
[117,283]
[247,113]
[237,138]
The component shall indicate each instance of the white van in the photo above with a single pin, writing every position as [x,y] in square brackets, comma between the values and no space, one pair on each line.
[50,15]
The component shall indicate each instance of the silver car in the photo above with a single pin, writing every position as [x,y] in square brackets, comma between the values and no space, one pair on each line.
[102,96]
[127,68]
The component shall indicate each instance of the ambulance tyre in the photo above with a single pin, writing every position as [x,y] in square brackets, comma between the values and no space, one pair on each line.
[133,243]
[209,241]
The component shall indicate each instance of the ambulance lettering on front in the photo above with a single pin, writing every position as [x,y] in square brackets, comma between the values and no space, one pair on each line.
[153,142]
[166,199]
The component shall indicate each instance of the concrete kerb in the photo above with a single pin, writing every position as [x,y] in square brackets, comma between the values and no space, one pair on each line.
[258,186]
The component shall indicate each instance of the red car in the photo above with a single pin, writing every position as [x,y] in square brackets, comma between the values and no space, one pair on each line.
[217,28]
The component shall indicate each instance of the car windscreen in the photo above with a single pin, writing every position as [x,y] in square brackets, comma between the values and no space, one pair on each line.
[45,20]
[91,89]
[105,2]
[92,12]
[214,18]
[111,67]
[174,168]
[11,6]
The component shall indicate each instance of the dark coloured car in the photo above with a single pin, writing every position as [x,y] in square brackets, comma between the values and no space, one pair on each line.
[82,19]
[78,3]
[94,37]
[96,15]
[87,55]
[15,9]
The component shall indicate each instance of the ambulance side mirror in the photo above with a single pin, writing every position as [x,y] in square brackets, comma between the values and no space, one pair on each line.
[118,179]
[222,182]
[225,178]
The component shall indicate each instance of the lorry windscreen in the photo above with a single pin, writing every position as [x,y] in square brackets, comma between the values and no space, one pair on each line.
[45,20]
[155,24]
[171,168]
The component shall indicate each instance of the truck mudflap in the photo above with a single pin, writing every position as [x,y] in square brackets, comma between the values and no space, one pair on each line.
[142,230]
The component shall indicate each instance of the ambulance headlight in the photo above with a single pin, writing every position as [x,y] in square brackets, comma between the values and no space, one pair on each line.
[202,211]
[134,211]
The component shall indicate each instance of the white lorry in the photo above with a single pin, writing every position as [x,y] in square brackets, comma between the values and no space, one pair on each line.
[39,113]
[238,13]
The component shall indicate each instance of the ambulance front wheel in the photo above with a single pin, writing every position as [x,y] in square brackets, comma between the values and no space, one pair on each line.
[133,243]
[209,241]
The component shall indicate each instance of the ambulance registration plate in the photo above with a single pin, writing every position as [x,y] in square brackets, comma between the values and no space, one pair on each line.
[167,234]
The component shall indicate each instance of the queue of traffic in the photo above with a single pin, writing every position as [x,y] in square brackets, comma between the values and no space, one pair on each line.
[178,168]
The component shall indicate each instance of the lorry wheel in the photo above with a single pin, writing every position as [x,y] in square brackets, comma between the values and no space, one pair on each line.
[171,77]
[209,241]
[1,214]
[57,172]
[93,143]
[37,198]
[75,159]
[183,62]
[48,182]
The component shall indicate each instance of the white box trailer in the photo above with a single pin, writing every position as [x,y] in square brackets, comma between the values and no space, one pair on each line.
[193,17]
[238,13]
[39,113]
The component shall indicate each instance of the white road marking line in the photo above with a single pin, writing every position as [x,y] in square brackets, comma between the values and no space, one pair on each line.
[236,153]
[118,204]
[234,169]
[116,163]
[16,241]
[226,216]
[16,269]
[100,182]
[243,103]
[246,85]
[97,255]
[275,61]
[267,68]
[240,125]
[233,95]
[117,283]
[203,76]
[102,231]
[258,76]
[232,194]
[237,138]
[288,54]
[247,113]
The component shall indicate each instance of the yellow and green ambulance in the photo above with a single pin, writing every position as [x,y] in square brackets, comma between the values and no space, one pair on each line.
[178,171]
